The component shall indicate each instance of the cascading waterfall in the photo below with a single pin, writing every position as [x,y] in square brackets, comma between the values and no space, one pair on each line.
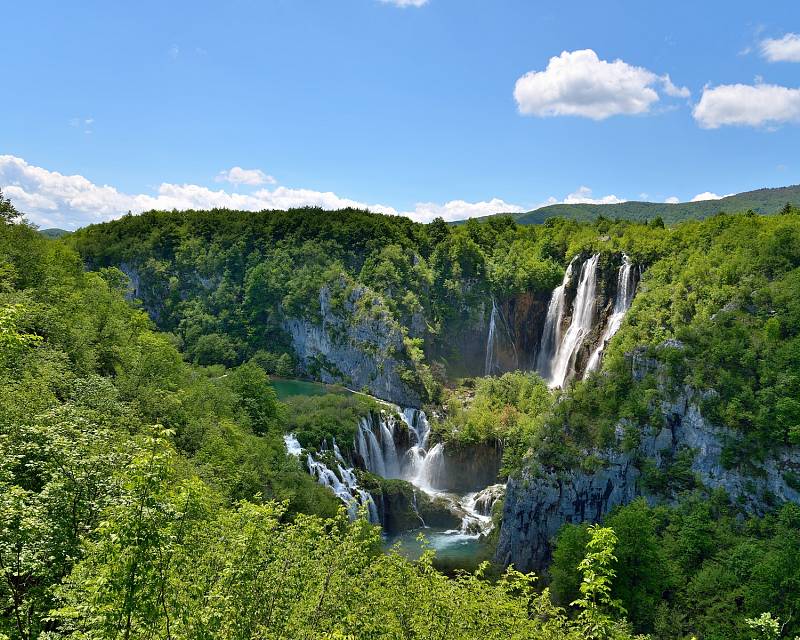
[490,363]
[551,333]
[344,485]
[420,465]
[378,450]
[497,324]
[581,324]
[626,288]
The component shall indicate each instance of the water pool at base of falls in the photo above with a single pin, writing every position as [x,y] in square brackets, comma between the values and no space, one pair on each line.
[454,549]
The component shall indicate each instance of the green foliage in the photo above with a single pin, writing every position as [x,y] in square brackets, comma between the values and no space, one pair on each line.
[8,213]
[595,604]
[507,410]
[693,570]
[327,417]
[764,201]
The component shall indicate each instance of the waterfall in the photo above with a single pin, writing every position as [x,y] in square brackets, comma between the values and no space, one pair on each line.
[429,473]
[370,449]
[346,488]
[378,450]
[344,485]
[293,447]
[626,287]
[497,324]
[391,462]
[422,467]
[581,324]
[551,334]
[490,364]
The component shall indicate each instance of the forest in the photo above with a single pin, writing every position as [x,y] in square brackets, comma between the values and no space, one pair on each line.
[146,488]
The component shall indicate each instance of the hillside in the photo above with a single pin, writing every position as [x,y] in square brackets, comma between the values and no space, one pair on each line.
[764,201]
[54,233]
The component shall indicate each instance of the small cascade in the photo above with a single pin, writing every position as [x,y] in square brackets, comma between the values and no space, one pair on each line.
[429,474]
[551,334]
[344,485]
[491,364]
[497,325]
[474,521]
[626,288]
[293,447]
[562,364]
[375,443]
[416,508]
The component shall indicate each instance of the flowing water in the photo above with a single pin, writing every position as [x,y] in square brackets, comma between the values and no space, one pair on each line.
[626,288]
[561,367]
[490,364]
[551,333]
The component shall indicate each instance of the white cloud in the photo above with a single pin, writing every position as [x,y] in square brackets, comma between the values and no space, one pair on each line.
[460,210]
[671,90]
[708,195]
[584,196]
[250,177]
[672,200]
[579,83]
[406,3]
[174,51]
[759,105]
[785,49]
[51,199]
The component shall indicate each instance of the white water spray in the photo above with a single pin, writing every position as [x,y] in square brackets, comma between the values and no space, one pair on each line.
[626,287]
[563,360]
[551,333]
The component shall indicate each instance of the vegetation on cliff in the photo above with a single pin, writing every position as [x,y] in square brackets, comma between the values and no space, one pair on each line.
[144,497]
[142,472]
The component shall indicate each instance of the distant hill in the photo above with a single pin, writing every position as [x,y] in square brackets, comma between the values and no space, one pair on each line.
[761,201]
[54,233]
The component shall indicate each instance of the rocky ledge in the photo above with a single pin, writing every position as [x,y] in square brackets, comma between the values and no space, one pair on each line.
[688,446]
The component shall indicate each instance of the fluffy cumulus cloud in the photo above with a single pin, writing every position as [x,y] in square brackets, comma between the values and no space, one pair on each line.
[672,200]
[51,199]
[584,195]
[460,210]
[579,83]
[785,49]
[708,195]
[405,3]
[251,177]
[759,105]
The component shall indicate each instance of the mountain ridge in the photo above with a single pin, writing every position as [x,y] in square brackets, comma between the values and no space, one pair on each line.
[765,201]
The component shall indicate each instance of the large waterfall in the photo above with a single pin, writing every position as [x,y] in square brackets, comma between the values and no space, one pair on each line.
[583,312]
[626,287]
[551,334]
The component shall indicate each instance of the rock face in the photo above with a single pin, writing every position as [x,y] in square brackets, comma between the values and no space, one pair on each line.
[361,350]
[468,468]
[402,507]
[488,497]
[536,505]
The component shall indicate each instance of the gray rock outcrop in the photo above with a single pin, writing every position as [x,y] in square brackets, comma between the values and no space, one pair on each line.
[361,350]
[537,504]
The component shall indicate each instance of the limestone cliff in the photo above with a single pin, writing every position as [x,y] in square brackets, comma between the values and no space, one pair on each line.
[351,344]
[538,503]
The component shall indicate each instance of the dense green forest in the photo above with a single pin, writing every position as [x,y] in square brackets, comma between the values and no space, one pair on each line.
[145,497]
[146,491]
[764,201]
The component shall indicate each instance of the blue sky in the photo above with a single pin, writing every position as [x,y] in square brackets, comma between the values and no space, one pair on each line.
[423,109]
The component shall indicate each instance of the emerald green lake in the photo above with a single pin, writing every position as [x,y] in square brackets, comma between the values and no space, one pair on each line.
[288,387]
